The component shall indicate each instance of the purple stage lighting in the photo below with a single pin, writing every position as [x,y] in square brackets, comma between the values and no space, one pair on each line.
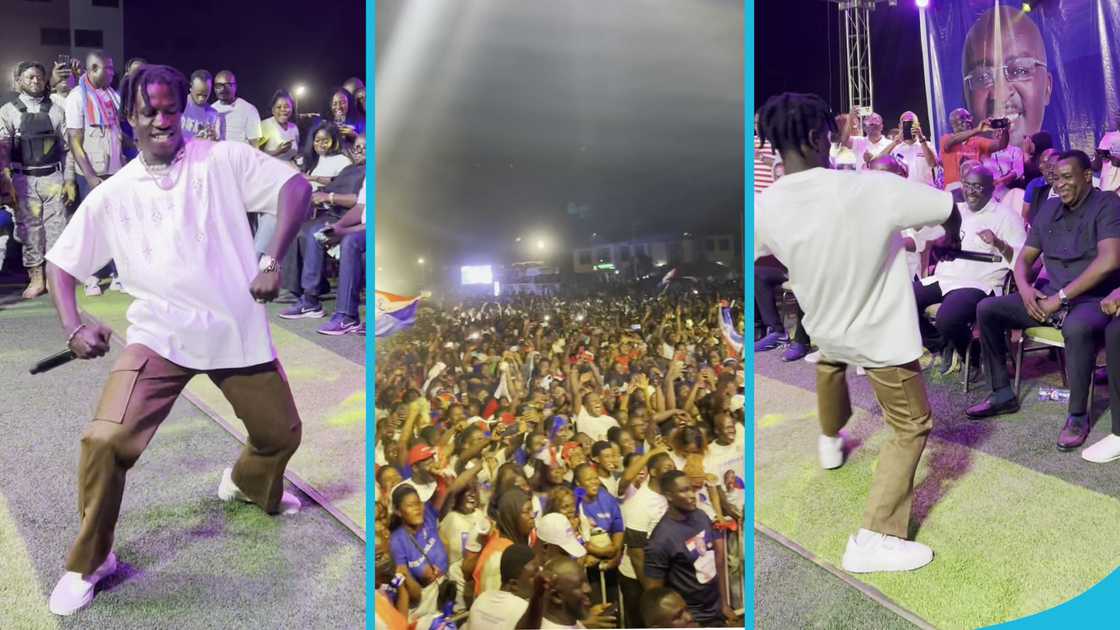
[922,3]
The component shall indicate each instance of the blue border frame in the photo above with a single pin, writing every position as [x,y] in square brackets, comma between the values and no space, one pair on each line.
[748,288]
[371,299]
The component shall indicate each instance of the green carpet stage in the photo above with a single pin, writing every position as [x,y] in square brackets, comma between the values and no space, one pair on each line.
[1016,526]
[330,395]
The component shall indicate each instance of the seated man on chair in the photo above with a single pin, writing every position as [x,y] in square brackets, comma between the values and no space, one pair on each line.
[1078,233]
[958,284]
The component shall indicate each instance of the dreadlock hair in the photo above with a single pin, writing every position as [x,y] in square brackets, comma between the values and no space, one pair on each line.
[148,75]
[786,120]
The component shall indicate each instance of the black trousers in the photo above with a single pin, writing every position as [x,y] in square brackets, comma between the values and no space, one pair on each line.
[1112,357]
[767,281]
[632,594]
[953,324]
[1082,330]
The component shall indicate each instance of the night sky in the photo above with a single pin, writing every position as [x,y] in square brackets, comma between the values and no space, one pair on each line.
[496,117]
[269,44]
[797,49]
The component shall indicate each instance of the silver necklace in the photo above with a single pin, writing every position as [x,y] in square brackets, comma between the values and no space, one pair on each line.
[161,174]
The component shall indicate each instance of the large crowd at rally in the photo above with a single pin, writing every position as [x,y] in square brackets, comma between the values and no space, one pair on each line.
[566,461]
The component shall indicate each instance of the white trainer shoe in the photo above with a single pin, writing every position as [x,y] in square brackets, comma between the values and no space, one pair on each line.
[869,552]
[813,357]
[93,286]
[1104,451]
[831,451]
[75,591]
[228,491]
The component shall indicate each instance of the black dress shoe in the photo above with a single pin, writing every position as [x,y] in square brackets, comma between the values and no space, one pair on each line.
[987,409]
[1073,434]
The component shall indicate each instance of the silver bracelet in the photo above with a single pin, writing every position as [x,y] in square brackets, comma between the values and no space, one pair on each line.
[71,337]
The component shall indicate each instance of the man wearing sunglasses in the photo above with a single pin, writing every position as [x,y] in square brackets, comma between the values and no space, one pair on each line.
[1007,79]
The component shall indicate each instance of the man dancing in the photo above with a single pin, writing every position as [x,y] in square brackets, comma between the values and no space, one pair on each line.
[838,233]
[174,220]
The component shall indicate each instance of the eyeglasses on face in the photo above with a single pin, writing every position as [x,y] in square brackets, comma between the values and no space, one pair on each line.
[972,187]
[1015,71]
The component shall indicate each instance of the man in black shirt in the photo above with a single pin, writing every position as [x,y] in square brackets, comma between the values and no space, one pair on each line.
[1078,233]
[686,554]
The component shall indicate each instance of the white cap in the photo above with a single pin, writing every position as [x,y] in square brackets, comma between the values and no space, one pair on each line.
[556,530]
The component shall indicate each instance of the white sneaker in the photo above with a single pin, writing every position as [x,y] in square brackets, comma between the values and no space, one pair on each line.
[93,287]
[1104,451]
[869,552]
[228,491]
[74,592]
[831,451]
[813,357]
[116,284]
[860,371]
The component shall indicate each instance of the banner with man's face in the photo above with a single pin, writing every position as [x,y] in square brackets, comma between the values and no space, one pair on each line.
[1052,69]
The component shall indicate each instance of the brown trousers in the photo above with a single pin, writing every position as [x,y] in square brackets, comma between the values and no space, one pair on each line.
[901,393]
[137,398]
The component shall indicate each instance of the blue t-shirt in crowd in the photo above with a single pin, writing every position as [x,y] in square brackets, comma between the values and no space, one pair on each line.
[682,554]
[604,512]
[408,552]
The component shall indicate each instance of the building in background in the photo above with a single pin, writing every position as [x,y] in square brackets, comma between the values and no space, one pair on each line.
[640,256]
[41,30]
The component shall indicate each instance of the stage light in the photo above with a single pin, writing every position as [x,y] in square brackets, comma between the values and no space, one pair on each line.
[1026,7]
[540,243]
[299,90]
[420,261]
[921,3]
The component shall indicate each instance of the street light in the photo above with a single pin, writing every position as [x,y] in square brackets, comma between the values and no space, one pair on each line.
[298,92]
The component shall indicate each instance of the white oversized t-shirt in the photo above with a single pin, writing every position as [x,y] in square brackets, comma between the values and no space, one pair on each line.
[839,235]
[186,254]
[241,122]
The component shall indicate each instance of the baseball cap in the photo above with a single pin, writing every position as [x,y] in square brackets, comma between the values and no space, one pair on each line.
[419,453]
[556,530]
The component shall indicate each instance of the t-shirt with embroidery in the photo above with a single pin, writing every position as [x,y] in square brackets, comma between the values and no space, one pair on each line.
[185,253]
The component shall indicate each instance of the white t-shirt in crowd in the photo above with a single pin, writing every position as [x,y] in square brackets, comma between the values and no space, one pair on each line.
[101,144]
[641,513]
[454,530]
[274,136]
[329,166]
[1006,224]
[1110,175]
[914,157]
[862,145]
[595,427]
[240,121]
[839,235]
[496,610]
[186,254]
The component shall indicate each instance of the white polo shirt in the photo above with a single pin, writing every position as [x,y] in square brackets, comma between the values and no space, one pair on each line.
[186,254]
[1006,224]
[839,235]
[862,145]
[913,155]
[241,122]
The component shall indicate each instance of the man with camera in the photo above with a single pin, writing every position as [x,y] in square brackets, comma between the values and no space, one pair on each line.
[967,143]
[912,148]
[33,167]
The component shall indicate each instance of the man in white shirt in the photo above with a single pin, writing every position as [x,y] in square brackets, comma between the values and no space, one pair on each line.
[592,418]
[958,285]
[240,120]
[1108,157]
[567,595]
[914,150]
[860,312]
[175,221]
[508,607]
[96,140]
[872,144]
